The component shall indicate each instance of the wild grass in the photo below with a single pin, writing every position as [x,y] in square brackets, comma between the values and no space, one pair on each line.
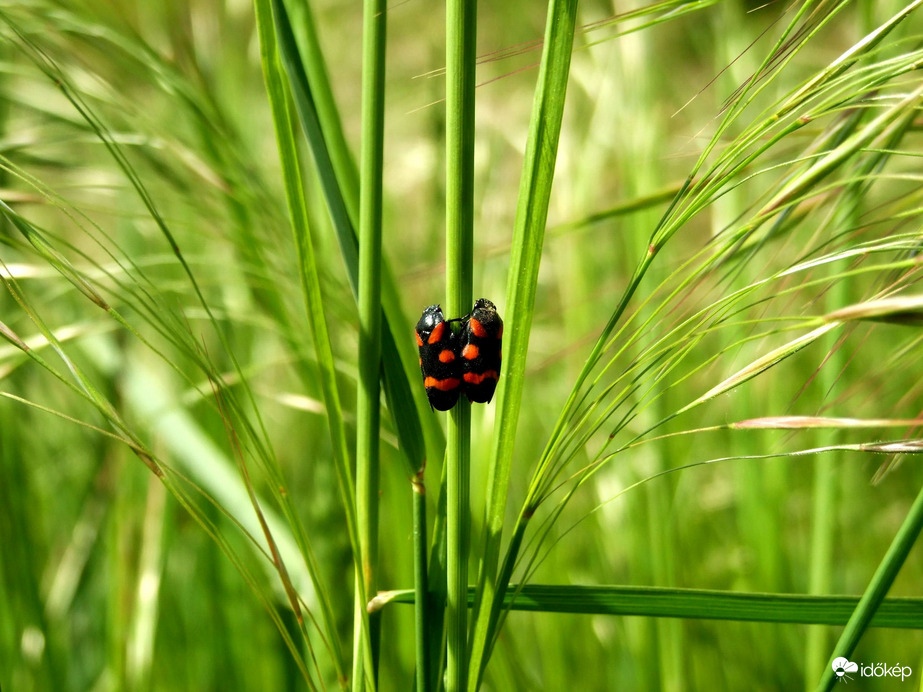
[701,223]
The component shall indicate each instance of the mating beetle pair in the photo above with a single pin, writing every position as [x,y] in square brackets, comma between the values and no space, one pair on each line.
[468,360]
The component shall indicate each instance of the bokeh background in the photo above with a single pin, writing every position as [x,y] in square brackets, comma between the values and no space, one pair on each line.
[109,581]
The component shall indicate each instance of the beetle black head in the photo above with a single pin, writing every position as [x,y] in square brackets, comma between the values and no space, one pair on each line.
[483,304]
[429,319]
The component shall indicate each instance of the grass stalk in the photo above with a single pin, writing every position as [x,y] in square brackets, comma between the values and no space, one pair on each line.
[461,56]
[824,492]
[825,470]
[367,410]
[458,529]
[823,514]
[421,585]
[437,573]
[876,591]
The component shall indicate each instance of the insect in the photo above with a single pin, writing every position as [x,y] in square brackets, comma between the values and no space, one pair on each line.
[480,350]
[468,360]
[439,361]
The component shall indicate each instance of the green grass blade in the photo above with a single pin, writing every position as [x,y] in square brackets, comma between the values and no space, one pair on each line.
[310,284]
[531,215]
[317,113]
[461,58]
[705,604]
[368,424]
[310,62]
[343,214]
[878,587]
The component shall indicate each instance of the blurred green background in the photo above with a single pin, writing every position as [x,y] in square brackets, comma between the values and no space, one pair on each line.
[110,581]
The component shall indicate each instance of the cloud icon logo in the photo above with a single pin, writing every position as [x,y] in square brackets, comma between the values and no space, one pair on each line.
[841,666]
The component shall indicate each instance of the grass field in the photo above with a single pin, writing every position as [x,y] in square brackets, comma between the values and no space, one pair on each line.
[702,224]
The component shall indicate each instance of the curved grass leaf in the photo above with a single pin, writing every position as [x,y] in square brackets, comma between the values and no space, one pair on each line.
[528,236]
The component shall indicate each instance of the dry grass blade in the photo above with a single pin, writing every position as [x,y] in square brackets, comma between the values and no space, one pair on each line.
[761,364]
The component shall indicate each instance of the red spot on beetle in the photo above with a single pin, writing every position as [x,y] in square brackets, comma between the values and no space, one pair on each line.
[475,378]
[477,328]
[436,335]
[446,385]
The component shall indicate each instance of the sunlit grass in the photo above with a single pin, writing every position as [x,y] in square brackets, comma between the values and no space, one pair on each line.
[712,380]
